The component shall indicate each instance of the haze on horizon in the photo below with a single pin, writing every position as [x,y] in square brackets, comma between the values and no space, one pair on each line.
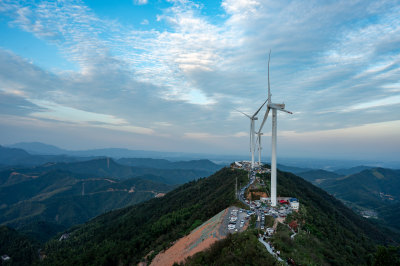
[168,75]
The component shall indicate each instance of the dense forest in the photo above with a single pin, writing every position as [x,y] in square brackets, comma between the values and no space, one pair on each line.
[21,249]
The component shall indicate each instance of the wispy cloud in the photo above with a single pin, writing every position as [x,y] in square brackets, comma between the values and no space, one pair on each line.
[140,2]
[326,57]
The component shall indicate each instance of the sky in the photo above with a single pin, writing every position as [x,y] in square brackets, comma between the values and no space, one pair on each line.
[172,75]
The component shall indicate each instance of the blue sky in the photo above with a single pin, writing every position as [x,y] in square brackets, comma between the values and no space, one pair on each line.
[169,75]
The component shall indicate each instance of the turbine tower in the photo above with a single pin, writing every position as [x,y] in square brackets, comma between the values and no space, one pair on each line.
[259,146]
[274,107]
[252,118]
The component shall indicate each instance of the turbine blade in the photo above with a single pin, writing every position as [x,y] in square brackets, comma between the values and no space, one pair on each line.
[243,113]
[256,113]
[269,88]
[283,110]
[265,119]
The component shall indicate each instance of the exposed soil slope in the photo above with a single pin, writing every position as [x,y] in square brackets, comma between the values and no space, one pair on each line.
[198,240]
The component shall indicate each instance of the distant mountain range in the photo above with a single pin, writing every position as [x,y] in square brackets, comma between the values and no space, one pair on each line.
[19,157]
[161,170]
[45,194]
[38,148]
[42,203]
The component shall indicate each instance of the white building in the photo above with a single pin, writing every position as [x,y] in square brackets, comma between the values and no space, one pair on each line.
[294,204]
[265,200]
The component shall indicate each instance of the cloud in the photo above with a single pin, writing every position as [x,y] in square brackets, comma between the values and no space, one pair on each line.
[13,104]
[193,72]
[140,2]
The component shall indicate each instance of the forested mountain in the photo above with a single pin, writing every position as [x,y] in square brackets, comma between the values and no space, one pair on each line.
[107,167]
[370,188]
[42,203]
[376,189]
[158,170]
[335,234]
[353,170]
[45,199]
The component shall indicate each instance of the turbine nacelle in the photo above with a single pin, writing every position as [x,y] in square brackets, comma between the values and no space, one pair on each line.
[279,106]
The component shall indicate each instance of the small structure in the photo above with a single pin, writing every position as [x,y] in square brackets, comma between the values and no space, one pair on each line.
[64,237]
[294,203]
[263,199]
[5,257]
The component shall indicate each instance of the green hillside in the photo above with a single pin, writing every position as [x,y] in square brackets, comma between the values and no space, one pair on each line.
[60,199]
[370,188]
[376,189]
[333,233]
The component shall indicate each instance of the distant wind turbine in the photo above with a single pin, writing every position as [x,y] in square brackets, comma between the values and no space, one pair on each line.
[274,107]
[252,118]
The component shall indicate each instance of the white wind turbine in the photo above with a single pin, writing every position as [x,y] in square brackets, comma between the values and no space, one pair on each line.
[274,107]
[252,118]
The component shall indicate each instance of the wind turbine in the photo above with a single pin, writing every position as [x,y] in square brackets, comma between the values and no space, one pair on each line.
[274,107]
[252,118]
